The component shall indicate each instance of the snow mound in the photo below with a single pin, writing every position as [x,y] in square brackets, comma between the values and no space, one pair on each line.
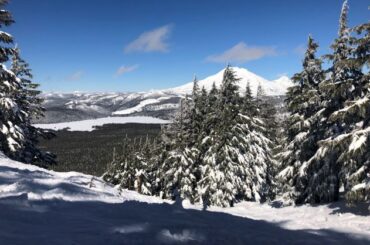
[89,125]
[272,88]
[39,206]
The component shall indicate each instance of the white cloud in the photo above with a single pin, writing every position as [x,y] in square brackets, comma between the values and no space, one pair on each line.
[125,69]
[75,76]
[151,41]
[241,52]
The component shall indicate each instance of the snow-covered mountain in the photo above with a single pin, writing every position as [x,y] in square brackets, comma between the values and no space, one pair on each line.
[64,107]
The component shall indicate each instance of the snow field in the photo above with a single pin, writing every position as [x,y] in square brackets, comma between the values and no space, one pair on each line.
[88,125]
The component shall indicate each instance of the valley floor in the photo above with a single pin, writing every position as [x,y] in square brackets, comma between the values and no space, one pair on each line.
[45,207]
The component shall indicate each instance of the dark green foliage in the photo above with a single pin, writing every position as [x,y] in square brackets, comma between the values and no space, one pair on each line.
[29,101]
[91,152]
[216,151]
[238,156]
[19,103]
[303,124]
[132,169]
[328,134]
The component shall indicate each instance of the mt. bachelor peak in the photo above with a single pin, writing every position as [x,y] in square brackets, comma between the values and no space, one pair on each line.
[272,88]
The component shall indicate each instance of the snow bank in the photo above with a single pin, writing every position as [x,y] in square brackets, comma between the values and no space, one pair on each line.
[88,125]
[38,206]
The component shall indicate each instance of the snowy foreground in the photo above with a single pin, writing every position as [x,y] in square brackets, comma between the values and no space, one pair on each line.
[45,207]
[89,125]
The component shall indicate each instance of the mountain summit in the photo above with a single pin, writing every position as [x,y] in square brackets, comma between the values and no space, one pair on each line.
[272,88]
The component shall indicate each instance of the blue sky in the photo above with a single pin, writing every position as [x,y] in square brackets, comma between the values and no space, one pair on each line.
[121,45]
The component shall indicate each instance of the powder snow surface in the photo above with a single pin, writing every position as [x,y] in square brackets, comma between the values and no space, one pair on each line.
[88,125]
[38,206]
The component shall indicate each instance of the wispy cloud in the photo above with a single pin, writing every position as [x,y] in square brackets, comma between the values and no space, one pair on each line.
[242,52]
[151,41]
[125,69]
[77,75]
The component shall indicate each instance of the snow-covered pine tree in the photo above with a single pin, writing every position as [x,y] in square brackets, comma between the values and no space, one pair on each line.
[211,117]
[260,123]
[302,130]
[30,103]
[144,168]
[206,170]
[235,163]
[343,88]
[202,108]
[350,147]
[266,111]
[12,136]
[133,169]
[195,113]
[249,103]
[19,103]
[179,168]
[122,169]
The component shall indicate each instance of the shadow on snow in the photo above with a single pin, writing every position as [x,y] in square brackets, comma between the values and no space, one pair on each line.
[23,221]
[61,222]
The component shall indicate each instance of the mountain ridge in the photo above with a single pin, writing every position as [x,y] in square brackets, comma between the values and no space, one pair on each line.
[74,106]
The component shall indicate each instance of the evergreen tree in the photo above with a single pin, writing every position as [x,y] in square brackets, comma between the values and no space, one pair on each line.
[266,111]
[211,117]
[143,168]
[133,169]
[249,104]
[234,166]
[206,169]
[19,103]
[195,113]
[179,168]
[349,146]
[30,103]
[121,171]
[303,124]
[11,116]
[343,87]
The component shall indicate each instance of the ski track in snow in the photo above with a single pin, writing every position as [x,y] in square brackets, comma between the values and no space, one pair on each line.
[38,206]
[89,125]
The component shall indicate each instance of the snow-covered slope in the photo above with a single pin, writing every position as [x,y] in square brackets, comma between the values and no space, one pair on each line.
[38,206]
[140,107]
[272,88]
[89,125]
